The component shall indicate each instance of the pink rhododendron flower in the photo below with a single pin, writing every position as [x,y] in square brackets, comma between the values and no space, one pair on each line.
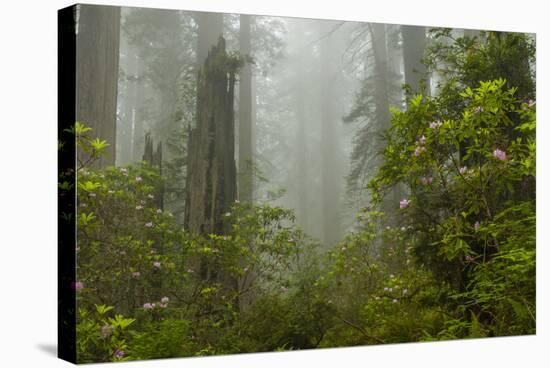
[426,180]
[79,285]
[159,211]
[139,207]
[118,353]
[156,264]
[531,103]
[138,178]
[163,305]
[404,203]
[148,306]
[500,154]
[422,140]
[477,226]
[106,331]
[386,289]
[165,299]
[149,224]
[435,124]
[150,196]
[478,109]
[136,274]
[462,170]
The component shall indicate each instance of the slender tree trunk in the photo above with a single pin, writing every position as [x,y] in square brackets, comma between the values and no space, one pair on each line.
[382,101]
[329,137]
[394,87]
[128,102]
[246,163]
[97,73]
[138,129]
[414,45]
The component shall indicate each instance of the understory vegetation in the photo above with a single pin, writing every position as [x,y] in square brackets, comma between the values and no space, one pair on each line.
[444,247]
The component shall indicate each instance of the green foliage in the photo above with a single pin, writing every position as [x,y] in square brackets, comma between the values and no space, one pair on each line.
[101,337]
[454,258]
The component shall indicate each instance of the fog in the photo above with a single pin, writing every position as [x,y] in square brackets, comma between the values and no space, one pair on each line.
[251,183]
[311,104]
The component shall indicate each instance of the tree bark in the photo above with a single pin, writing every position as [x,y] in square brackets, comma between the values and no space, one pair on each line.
[211,176]
[329,137]
[128,104]
[414,45]
[97,73]
[246,164]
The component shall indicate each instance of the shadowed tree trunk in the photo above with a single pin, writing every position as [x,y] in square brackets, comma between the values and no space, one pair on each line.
[211,180]
[382,101]
[97,73]
[329,137]
[245,115]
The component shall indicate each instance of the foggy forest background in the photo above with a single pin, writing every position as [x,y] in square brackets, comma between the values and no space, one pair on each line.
[252,183]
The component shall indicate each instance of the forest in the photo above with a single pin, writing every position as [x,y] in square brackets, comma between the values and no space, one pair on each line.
[251,183]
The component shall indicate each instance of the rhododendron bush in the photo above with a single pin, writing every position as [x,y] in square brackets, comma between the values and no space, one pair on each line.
[442,247]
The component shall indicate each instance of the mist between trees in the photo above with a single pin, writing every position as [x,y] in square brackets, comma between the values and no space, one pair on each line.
[373,183]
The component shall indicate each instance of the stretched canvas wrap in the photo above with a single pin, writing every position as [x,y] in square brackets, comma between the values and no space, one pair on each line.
[242,183]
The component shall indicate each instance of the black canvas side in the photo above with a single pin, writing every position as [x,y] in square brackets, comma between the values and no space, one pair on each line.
[66,257]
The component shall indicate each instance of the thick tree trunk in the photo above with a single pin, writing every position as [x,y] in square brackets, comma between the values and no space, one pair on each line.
[211,175]
[246,163]
[329,137]
[97,73]
[414,45]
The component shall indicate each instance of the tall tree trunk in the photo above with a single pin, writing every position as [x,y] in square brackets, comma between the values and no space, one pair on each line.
[329,136]
[299,89]
[138,129]
[394,87]
[211,176]
[382,101]
[414,45]
[245,115]
[97,73]
[128,103]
